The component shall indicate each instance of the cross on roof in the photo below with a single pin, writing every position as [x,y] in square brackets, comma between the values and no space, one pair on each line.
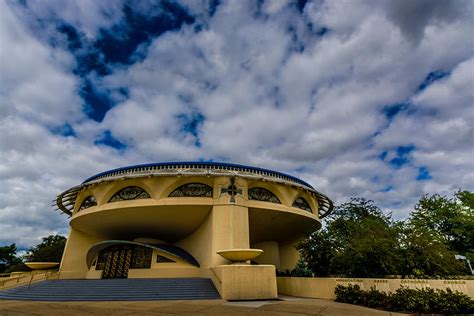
[232,190]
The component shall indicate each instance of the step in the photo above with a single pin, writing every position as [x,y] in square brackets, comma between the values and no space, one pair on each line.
[115,290]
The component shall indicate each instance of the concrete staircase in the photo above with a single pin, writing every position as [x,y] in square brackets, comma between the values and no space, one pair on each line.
[115,290]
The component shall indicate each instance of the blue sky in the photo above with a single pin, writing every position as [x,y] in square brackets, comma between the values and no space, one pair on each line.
[358,98]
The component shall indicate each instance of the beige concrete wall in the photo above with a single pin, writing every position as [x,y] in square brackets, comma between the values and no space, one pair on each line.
[324,287]
[94,274]
[244,282]
[270,255]
[199,244]
[73,263]
[178,272]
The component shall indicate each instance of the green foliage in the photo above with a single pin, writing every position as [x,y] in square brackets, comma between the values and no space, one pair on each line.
[8,257]
[424,300]
[359,240]
[351,294]
[423,255]
[301,269]
[49,250]
[450,221]
[19,266]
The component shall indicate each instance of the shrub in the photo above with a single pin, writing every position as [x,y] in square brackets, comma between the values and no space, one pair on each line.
[351,294]
[374,298]
[423,300]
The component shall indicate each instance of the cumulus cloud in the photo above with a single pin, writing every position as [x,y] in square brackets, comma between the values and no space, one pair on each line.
[87,15]
[440,129]
[328,91]
[38,93]
[413,17]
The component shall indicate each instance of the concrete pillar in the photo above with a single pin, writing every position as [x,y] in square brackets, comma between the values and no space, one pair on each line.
[288,255]
[73,263]
[270,255]
[230,225]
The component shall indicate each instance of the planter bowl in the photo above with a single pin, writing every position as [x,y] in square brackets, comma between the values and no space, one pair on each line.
[240,255]
[41,265]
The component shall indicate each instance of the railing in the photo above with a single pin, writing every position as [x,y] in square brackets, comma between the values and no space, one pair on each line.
[27,278]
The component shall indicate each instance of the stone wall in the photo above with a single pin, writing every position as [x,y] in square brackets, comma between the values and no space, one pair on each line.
[324,287]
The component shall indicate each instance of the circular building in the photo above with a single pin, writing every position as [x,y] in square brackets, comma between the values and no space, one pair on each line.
[171,219]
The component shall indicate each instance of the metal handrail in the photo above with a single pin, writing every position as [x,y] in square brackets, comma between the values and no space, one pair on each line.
[46,275]
[31,279]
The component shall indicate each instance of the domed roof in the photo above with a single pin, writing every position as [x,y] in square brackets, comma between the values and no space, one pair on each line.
[66,200]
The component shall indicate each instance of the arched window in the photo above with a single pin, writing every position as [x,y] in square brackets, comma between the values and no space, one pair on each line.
[192,190]
[261,194]
[130,193]
[88,202]
[302,204]
[161,259]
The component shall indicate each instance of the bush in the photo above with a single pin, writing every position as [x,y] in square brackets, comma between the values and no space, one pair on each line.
[351,294]
[424,300]
[375,299]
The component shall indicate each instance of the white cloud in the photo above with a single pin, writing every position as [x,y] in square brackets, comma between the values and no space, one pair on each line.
[272,93]
[441,130]
[319,108]
[89,16]
[38,93]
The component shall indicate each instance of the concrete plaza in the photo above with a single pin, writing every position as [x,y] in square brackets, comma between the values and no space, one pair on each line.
[287,306]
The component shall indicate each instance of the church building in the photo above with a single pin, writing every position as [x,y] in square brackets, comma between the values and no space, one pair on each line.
[219,221]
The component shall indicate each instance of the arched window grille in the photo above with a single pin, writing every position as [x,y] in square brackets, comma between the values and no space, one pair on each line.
[261,194]
[130,193]
[302,204]
[88,202]
[141,258]
[192,190]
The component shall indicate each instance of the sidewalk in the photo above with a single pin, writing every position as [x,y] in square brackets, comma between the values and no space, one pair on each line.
[287,306]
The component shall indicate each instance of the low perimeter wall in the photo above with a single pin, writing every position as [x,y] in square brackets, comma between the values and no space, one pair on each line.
[324,287]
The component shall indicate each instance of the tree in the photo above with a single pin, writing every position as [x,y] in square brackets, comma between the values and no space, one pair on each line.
[425,255]
[8,257]
[358,241]
[301,269]
[447,220]
[49,250]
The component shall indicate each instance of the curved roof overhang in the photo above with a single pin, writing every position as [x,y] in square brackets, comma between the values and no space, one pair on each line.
[169,250]
[66,200]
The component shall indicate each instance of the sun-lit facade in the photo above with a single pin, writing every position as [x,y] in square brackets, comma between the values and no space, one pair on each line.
[171,219]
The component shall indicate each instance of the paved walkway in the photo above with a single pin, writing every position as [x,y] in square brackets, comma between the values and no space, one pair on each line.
[288,306]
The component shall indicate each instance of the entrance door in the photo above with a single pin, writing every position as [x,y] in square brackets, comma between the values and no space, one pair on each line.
[117,262]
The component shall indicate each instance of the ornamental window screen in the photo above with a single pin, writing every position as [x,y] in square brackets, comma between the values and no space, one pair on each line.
[302,204]
[192,190]
[141,258]
[89,201]
[162,259]
[261,194]
[130,193]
